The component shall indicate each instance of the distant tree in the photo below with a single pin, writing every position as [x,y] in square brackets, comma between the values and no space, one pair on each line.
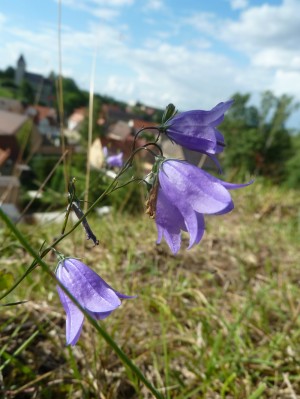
[8,83]
[74,100]
[69,85]
[256,138]
[277,148]
[10,73]
[73,97]
[26,92]
[242,112]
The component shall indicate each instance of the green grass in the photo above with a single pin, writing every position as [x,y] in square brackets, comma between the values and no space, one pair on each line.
[6,92]
[218,321]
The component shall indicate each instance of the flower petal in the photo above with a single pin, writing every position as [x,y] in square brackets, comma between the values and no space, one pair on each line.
[88,287]
[200,117]
[196,188]
[232,186]
[100,315]
[123,296]
[169,221]
[115,160]
[200,230]
[90,291]
[196,140]
[74,320]
[196,130]
[171,218]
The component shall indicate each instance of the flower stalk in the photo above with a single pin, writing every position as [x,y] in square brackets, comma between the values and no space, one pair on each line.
[123,357]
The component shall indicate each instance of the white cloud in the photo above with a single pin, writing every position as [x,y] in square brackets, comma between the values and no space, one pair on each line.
[176,74]
[238,4]
[95,3]
[192,74]
[287,82]
[103,9]
[2,19]
[264,27]
[114,3]
[204,22]
[277,58]
[263,33]
[107,14]
[41,50]
[267,37]
[154,5]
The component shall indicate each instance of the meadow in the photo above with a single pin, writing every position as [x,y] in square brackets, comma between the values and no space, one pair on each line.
[218,321]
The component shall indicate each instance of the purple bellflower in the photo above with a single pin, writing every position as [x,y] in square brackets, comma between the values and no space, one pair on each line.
[90,290]
[113,161]
[181,195]
[105,152]
[196,130]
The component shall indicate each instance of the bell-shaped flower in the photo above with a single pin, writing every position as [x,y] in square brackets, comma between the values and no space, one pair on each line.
[196,130]
[90,290]
[181,195]
[115,161]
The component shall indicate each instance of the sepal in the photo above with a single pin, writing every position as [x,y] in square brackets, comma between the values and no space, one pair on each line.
[170,111]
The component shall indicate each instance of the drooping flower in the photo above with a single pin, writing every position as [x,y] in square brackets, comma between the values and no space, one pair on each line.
[113,161]
[90,290]
[181,195]
[196,130]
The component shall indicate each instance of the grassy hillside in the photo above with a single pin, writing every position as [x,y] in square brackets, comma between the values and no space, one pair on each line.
[6,92]
[218,321]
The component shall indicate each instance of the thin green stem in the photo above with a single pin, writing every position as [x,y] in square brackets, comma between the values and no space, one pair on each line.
[34,263]
[124,358]
[112,187]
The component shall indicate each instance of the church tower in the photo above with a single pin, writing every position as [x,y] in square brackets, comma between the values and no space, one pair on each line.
[20,70]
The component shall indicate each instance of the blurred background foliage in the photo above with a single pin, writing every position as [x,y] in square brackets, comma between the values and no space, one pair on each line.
[258,141]
[129,199]
[258,144]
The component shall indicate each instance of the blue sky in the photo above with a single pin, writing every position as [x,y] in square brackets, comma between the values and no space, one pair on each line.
[193,53]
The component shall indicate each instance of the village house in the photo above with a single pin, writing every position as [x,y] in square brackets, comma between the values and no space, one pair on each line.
[11,105]
[11,125]
[120,128]
[15,129]
[74,124]
[45,119]
[76,118]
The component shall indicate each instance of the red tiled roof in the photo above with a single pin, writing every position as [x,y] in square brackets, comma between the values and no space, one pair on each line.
[44,112]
